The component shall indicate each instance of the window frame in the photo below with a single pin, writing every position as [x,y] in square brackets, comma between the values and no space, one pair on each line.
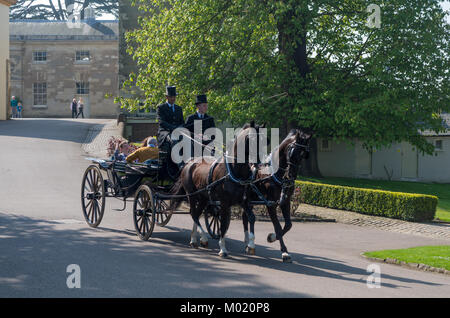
[325,149]
[79,55]
[82,88]
[442,145]
[41,95]
[42,54]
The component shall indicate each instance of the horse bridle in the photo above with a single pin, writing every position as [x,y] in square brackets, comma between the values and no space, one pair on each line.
[290,182]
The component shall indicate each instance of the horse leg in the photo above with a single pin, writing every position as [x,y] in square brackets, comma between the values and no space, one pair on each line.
[194,215]
[225,215]
[285,206]
[250,246]
[245,224]
[278,235]
[194,236]
[203,234]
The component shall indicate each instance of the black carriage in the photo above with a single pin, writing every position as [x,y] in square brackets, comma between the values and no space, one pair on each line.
[147,185]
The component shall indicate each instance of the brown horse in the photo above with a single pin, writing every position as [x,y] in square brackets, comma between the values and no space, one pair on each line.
[278,186]
[222,182]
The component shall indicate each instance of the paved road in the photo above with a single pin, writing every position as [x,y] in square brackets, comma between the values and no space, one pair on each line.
[42,231]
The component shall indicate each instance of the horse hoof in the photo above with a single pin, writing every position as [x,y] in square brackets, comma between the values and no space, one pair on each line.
[204,244]
[272,237]
[287,259]
[250,250]
[193,245]
[223,255]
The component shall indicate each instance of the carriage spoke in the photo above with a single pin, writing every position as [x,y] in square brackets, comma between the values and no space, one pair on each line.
[90,212]
[91,187]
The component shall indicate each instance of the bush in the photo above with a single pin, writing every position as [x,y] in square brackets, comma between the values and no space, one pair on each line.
[397,205]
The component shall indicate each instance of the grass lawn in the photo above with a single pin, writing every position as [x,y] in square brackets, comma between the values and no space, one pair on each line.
[441,190]
[436,256]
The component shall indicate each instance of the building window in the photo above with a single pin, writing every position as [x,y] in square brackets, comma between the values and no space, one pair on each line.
[325,145]
[438,144]
[39,56]
[82,56]
[39,94]
[82,88]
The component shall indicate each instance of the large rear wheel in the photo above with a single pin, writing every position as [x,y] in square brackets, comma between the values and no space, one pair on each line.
[212,221]
[93,196]
[144,212]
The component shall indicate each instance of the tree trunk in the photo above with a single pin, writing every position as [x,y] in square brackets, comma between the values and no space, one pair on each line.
[292,42]
[310,167]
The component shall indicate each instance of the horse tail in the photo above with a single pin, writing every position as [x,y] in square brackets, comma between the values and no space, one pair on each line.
[178,190]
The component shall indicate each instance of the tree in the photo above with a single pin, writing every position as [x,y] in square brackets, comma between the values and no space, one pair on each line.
[302,63]
[60,10]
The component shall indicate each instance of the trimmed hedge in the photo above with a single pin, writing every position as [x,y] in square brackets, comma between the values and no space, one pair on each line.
[397,205]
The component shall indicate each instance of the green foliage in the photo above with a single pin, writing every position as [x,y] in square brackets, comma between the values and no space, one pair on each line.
[436,256]
[301,63]
[397,205]
[441,190]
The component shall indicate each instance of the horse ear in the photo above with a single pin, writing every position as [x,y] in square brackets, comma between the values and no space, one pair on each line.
[263,126]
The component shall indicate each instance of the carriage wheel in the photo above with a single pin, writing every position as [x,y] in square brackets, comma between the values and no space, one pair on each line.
[144,212]
[93,196]
[163,212]
[212,221]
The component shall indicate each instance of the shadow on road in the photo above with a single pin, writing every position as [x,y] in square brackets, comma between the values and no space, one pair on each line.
[73,130]
[35,254]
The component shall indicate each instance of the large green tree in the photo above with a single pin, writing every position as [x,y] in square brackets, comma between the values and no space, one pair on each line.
[302,63]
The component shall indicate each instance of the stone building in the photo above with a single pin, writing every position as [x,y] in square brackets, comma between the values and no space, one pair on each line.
[4,58]
[53,62]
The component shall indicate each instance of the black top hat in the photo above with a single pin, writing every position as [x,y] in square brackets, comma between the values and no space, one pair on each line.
[201,99]
[171,91]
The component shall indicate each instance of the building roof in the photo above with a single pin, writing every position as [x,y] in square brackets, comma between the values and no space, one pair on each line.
[445,123]
[43,30]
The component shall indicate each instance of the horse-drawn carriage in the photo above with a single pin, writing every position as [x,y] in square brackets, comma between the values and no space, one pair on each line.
[218,185]
[147,184]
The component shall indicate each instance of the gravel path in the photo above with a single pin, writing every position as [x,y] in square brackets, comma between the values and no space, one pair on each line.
[433,230]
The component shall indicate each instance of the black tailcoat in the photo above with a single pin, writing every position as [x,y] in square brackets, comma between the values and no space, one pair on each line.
[168,120]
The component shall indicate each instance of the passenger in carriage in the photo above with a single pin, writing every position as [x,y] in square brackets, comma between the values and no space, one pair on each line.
[170,117]
[206,120]
[122,151]
[146,154]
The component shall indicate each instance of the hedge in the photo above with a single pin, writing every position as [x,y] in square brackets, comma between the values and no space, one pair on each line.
[397,205]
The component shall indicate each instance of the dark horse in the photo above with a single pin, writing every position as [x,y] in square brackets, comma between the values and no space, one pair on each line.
[221,183]
[277,185]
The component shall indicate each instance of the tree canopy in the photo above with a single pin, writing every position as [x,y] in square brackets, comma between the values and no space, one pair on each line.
[306,63]
[60,10]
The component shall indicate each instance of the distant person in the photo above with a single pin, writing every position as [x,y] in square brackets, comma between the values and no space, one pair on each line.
[19,110]
[80,107]
[13,107]
[74,108]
